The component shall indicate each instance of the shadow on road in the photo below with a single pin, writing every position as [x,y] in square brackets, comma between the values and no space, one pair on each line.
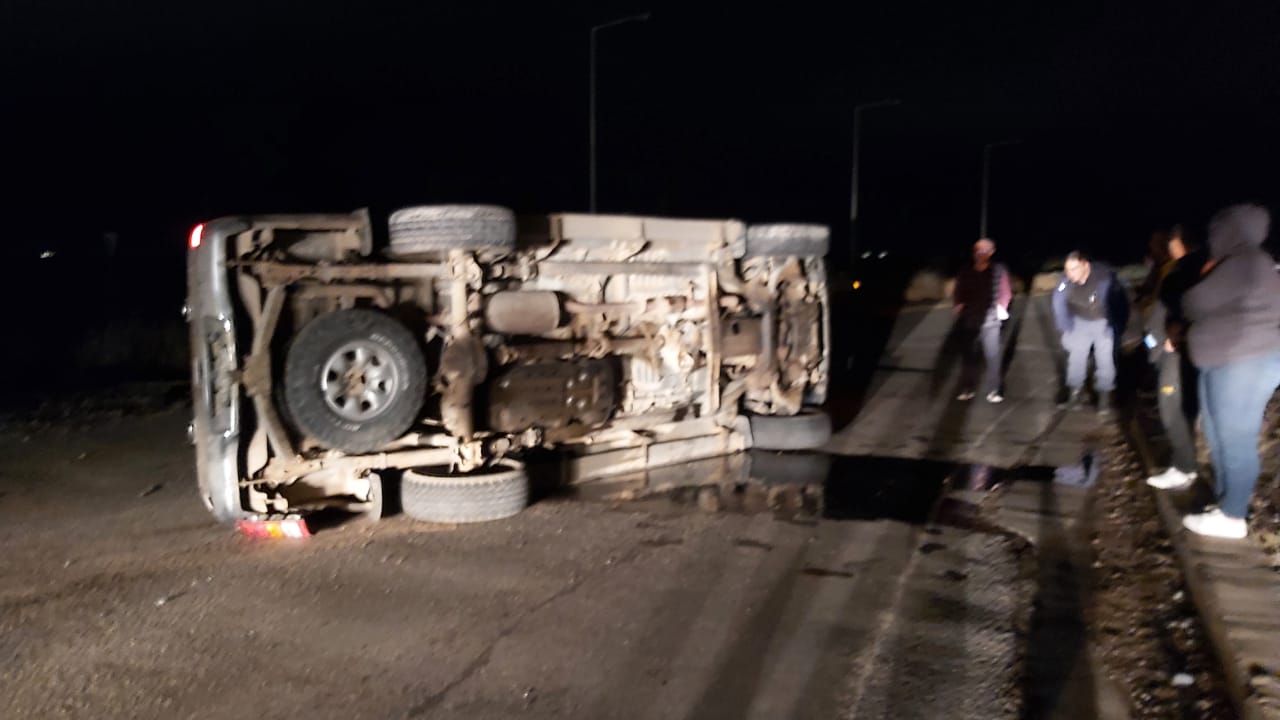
[1059,680]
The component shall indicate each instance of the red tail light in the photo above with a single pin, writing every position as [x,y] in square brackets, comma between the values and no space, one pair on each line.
[197,235]
[295,528]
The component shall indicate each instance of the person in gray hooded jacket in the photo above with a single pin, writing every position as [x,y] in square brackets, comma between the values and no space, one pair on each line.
[1234,338]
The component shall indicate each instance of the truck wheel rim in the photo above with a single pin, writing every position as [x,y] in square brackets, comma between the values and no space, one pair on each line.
[359,380]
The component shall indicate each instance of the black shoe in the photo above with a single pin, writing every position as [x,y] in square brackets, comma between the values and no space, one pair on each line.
[1104,403]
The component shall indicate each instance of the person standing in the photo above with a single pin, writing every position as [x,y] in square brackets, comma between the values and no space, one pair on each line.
[1158,266]
[1089,308]
[1176,386]
[981,301]
[1234,338]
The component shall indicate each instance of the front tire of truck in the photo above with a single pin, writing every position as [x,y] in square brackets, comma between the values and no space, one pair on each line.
[354,380]
[771,467]
[439,496]
[809,429]
[432,229]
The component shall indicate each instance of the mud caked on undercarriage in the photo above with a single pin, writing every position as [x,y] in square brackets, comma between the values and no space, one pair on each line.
[322,364]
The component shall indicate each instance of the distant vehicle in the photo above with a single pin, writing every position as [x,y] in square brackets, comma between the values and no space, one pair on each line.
[321,366]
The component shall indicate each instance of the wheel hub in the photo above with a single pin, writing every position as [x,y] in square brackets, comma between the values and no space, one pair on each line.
[359,380]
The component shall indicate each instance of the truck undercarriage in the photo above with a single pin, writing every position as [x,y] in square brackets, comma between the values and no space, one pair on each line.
[627,342]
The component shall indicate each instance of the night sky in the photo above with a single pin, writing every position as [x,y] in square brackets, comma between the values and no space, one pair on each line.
[144,117]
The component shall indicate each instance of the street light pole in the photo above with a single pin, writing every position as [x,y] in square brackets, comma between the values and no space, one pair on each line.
[592,99]
[986,180]
[857,146]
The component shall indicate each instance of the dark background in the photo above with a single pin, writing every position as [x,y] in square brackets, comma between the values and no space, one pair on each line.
[136,120]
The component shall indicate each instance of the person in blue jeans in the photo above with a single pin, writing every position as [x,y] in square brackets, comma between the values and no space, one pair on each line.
[1089,309]
[1234,338]
[981,303]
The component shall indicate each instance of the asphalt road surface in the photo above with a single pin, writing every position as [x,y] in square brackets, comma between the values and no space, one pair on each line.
[119,597]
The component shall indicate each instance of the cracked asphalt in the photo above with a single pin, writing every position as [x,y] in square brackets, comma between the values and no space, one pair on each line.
[121,598]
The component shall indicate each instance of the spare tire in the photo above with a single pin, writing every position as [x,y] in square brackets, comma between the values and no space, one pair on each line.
[808,430]
[436,228]
[354,380]
[784,240]
[436,495]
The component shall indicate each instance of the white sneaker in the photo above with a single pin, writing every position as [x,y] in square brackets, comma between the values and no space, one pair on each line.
[965,396]
[1171,479]
[1216,524]
[994,397]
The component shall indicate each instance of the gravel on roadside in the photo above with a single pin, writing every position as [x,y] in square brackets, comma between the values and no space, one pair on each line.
[1141,617]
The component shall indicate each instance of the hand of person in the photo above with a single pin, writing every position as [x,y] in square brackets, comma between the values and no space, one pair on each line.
[1208,266]
[1168,345]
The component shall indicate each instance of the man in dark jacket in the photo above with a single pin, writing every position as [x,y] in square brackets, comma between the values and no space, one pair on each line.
[1177,386]
[1089,308]
[1234,338]
[981,300]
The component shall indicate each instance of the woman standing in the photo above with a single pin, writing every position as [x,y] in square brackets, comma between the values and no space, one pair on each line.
[1234,338]
[1178,383]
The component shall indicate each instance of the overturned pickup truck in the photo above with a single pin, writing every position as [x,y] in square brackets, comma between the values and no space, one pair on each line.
[322,366]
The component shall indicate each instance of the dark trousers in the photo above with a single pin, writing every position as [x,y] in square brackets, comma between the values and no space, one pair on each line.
[981,344]
[1179,399]
[1086,336]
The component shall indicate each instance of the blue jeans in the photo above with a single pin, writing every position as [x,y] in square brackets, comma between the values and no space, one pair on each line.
[1086,335]
[1232,400]
[982,344]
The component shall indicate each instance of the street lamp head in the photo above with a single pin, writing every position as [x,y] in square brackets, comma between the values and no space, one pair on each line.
[877,103]
[638,17]
[1002,143]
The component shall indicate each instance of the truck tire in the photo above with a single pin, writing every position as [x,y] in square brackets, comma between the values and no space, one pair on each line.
[789,468]
[782,240]
[435,495]
[354,380]
[808,430]
[436,228]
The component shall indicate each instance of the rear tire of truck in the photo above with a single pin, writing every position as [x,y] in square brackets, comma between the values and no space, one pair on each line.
[808,430]
[354,380]
[431,229]
[436,495]
[783,240]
